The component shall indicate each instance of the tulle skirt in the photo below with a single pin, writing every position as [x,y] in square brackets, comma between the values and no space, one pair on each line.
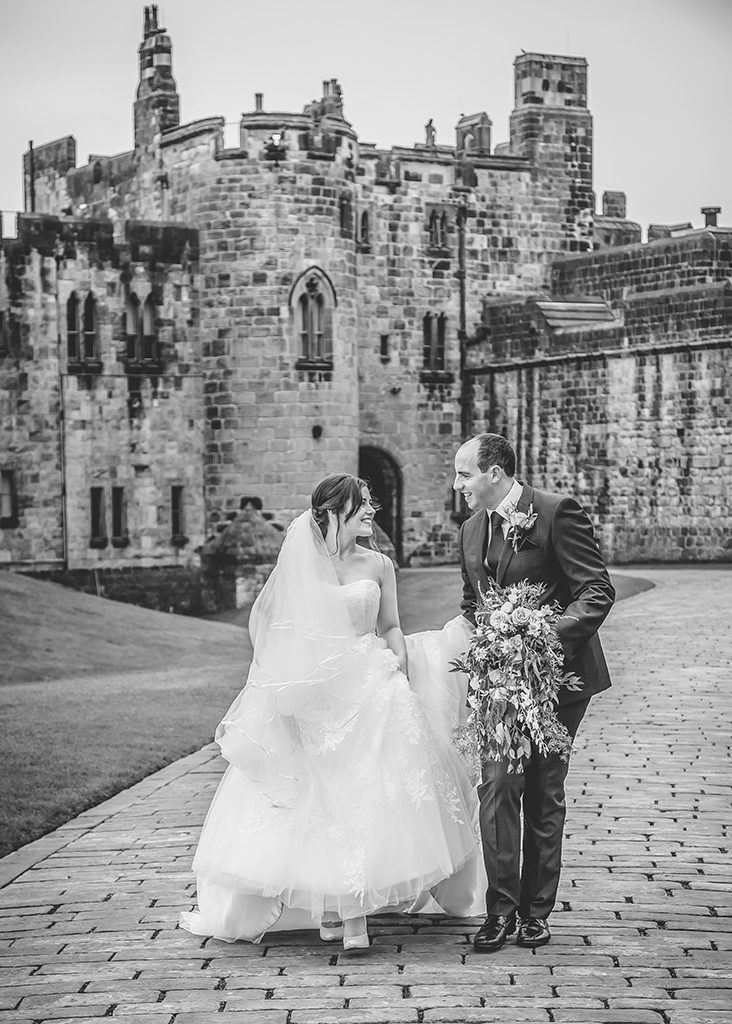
[376,811]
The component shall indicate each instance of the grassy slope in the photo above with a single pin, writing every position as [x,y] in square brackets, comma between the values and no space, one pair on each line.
[48,632]
[95,695]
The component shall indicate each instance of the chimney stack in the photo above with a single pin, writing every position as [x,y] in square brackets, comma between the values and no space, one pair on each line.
[710,215]
[258,100]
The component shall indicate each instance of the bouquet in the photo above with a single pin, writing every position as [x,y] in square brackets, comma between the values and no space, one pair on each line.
[514,664]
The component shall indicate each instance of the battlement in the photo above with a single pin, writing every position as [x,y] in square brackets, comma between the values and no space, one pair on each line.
[150,241]
[550,80]
[694,259]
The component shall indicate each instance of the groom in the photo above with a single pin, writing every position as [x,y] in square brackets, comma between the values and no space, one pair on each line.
[553,544]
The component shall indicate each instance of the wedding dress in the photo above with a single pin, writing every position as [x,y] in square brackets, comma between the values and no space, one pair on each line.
[343,795]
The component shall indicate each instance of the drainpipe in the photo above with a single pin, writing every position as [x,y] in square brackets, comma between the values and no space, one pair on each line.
[62,436]
[462,213]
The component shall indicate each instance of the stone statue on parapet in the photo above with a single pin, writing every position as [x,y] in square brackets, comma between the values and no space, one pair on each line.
[430,134]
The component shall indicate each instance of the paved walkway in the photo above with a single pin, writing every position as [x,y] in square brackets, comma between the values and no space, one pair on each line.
[642,934]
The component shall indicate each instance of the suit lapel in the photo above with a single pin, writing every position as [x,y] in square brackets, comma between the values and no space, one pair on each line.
[522,505]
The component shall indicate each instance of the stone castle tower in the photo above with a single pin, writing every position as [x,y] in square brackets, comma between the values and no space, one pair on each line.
[330,297]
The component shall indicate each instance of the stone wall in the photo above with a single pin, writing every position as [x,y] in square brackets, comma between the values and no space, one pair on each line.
[30,408]
[71,421]
[165,588]
[632,412]
[695,259]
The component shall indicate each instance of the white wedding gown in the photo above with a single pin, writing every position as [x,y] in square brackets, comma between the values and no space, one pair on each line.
[371,808]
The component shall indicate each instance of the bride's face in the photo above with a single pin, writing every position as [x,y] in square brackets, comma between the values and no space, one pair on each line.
[361,523]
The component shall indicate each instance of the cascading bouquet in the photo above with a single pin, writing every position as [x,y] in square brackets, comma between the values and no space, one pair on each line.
[514,664]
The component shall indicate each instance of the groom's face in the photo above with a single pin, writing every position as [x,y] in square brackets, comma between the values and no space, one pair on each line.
[479,489]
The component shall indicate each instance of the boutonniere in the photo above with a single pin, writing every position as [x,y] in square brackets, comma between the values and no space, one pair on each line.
[519,524]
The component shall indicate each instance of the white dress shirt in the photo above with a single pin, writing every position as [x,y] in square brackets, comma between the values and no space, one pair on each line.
[508,504]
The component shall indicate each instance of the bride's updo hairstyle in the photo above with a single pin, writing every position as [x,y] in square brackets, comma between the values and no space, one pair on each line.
[338,493]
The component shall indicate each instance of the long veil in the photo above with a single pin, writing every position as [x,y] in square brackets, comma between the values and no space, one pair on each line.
[303,636]
[339,797]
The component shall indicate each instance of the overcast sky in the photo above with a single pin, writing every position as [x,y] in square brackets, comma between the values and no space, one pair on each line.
[660,77]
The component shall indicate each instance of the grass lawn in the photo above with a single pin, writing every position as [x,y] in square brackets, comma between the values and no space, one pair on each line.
[95,695]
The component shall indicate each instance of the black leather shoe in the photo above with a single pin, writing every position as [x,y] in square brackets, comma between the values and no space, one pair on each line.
[493,932]
[533,932]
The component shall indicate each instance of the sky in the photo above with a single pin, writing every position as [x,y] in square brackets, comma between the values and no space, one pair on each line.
[660,74]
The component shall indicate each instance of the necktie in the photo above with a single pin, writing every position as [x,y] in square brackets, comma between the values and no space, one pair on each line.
[495,545]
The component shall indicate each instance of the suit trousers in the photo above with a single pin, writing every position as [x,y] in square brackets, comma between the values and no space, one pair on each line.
[530,887]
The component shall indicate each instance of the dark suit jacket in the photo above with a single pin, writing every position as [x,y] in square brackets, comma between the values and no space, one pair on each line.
[560,551]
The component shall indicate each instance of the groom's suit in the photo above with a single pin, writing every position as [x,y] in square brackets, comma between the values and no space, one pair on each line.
[560,551]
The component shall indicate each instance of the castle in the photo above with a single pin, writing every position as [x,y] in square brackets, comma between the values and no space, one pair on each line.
[185,327]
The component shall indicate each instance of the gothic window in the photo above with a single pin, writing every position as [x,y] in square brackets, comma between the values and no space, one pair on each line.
[72,328]
[438,230]
[312,323]
[120,538]
[133,325]
[149,332]
[8,500]
[433,341]
[90,328]
[315,343]
[97,518]
[313,305]
[364,236]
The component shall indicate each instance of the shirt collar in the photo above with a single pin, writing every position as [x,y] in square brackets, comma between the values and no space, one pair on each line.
[510,501]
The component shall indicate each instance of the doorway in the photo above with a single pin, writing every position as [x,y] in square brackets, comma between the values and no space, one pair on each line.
[384,477]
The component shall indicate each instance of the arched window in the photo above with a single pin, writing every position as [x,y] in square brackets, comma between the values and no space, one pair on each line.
[438,229]
[132,328]
[312,300]
[72,328]
[149,330]
[312,324]
[364,235]
[345,215]
[90,327]
[304,325]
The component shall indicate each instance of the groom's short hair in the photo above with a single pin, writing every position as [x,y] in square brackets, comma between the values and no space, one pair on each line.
[495,450]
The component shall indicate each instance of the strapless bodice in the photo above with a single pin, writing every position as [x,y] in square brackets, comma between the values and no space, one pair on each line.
[362,600]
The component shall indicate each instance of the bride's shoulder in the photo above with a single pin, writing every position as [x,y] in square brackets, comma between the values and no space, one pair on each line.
[379,564]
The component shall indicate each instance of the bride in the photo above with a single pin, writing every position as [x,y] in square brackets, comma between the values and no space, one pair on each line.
[343,795]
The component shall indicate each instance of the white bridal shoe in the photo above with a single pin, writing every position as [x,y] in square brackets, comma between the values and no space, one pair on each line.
[356,942]
[331,931]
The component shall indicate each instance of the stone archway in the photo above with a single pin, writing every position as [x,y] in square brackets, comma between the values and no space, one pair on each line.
[383,475]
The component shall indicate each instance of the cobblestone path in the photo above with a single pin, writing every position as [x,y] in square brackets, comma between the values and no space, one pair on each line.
[642,934]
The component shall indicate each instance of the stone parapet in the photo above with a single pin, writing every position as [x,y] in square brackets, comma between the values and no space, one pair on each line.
[694,258]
